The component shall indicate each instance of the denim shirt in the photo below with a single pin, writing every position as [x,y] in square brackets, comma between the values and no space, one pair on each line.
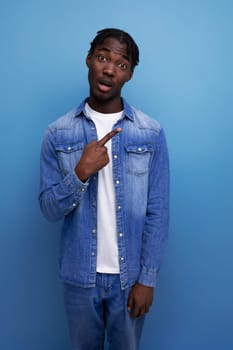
[141,181]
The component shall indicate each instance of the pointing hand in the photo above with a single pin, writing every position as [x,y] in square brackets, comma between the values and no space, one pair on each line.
[94,157]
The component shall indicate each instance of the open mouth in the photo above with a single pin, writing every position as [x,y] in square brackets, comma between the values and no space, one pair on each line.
[104,85]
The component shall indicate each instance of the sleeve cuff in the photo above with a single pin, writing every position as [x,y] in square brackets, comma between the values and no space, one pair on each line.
[77,188]
[74,184]
[148,278]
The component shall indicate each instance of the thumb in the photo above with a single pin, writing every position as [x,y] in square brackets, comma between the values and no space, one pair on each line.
[130,302]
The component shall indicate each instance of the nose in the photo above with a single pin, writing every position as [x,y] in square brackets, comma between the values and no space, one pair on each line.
[109,69]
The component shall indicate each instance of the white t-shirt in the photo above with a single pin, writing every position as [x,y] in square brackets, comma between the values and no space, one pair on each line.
[107,249]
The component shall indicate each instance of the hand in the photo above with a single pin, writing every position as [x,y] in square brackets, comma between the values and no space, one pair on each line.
[94,157]
[140,299]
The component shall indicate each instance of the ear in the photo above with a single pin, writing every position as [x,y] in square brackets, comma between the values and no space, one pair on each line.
[130,75]
[88,59]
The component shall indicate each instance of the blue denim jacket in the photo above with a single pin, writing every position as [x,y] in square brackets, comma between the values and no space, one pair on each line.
[141,180]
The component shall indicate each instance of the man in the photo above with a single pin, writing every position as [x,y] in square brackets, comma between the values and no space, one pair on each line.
[104,169]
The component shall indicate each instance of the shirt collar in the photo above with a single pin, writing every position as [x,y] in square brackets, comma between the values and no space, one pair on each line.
[128,112]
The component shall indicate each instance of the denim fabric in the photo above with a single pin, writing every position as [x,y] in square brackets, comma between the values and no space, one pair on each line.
[92,310]
[141,180]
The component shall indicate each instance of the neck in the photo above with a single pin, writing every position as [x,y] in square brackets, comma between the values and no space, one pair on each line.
[106,107]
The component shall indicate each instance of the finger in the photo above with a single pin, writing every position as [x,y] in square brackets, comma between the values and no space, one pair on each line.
[135,311]
[108,137]
[147,309]
[130,303]
[141,311]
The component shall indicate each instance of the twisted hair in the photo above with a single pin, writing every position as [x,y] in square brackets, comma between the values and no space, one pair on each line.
[122,37]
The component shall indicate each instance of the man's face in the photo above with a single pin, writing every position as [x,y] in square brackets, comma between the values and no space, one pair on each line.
[109,69]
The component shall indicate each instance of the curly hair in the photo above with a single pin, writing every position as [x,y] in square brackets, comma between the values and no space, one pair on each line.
[122,37]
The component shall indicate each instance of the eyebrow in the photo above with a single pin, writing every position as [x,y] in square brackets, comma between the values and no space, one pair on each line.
[109,50]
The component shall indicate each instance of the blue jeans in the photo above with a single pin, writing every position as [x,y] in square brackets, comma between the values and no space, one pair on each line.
[92,311]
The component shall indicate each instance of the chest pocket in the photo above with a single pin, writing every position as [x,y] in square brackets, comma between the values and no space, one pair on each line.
[69,155]
[138,158]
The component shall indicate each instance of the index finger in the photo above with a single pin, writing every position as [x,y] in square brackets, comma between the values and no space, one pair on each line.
[108,136]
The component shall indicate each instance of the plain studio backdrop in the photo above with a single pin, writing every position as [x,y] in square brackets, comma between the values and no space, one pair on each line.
[185,81]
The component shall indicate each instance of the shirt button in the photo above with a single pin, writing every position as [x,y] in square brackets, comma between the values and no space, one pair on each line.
[117,182]
[115,156]
[139,149]
[74,205]
[83,189]
[121,234]
[94,230]
[119,207]
[92,253]
[69,148]
[122,258]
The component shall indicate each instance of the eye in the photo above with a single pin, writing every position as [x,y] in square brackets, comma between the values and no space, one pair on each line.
[102,58]
[123,66]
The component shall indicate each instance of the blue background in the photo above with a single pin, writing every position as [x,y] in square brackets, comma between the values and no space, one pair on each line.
[185,81]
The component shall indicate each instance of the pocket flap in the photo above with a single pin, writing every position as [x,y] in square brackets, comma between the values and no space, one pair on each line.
[69,147]
[139,148]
